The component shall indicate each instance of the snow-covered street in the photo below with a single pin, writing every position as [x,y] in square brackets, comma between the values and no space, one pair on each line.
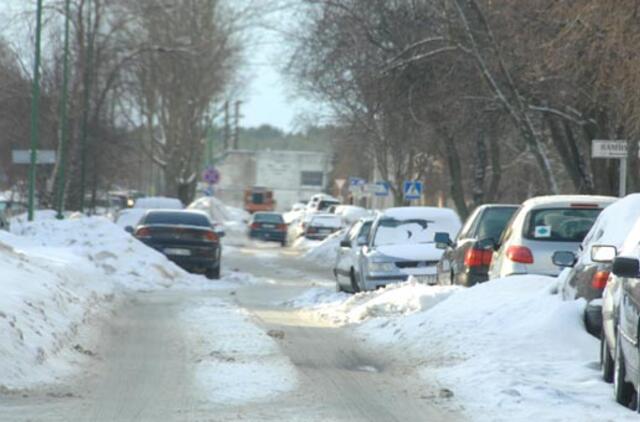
[136,338]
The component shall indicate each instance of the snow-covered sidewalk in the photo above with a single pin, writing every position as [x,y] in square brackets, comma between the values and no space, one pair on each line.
[509,349]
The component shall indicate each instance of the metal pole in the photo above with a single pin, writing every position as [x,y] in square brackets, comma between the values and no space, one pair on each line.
[623,177]
[85,111]
[63,115]
[35,113]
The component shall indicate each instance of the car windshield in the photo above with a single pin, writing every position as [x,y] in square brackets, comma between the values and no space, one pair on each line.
[177,218]
[560,224]
[391,231]
[493,222]
[268,218]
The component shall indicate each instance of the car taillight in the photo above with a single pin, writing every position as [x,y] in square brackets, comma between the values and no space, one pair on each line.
[520,254]
[143,232]
[210,236]
[282,227]
[599,280]
[311,230]
[477,257]
[255,226]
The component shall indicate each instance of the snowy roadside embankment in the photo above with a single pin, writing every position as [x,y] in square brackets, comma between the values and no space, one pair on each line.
[325,252]
[236,362]
[59,278]
[395,300]
[509,349]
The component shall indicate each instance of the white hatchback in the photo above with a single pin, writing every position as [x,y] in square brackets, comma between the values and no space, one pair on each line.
[540,228]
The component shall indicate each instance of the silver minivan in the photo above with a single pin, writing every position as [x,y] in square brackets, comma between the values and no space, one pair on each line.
[540,228]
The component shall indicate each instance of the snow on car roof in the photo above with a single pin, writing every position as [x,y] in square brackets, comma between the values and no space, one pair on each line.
[566,200]
[327,220]
[615,222]
[404,213]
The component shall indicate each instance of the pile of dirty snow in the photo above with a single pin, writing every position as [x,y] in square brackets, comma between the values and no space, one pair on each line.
[326,251]
[509,349]
[394,300]
[47,297]
[113,251]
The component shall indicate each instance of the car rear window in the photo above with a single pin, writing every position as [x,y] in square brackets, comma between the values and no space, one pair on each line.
[493,222]
[177,218]
[323,205]
[268,218]
[560,224]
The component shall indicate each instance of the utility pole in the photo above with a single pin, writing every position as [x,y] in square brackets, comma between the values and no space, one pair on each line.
[62,157]
[227,130]
[35,112]
[85,112]
[236,125]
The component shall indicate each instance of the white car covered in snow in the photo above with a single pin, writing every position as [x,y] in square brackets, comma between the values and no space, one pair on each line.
[401,244]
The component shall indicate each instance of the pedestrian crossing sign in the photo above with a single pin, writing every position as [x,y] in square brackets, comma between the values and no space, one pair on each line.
[412,190]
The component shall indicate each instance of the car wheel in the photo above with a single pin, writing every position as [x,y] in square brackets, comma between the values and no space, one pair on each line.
[622,390]
[213,273]
[354,283]
[606,360]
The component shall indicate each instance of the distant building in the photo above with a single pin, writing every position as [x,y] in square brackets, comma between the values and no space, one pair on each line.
[292,175]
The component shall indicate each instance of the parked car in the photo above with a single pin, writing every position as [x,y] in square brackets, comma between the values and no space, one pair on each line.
[402,244]
[466,260]
[588,277]
[541,227]
[349,254]
[319,226]
[268,226]
[350,213]
[321,203]
[624,357]
[185,237]
[617,300]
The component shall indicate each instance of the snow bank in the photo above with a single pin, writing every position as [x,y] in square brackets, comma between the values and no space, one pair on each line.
[236,362]
[59,278]
[508,349]
[325,252]
[394,300]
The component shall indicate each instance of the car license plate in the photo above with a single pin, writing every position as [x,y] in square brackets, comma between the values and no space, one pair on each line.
[268,226]
[325,230]
[177,251]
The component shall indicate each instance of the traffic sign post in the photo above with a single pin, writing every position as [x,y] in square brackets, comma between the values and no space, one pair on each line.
[613,149]
[412,190]
[211,175]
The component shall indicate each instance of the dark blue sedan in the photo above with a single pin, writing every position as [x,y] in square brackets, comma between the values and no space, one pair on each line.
[269,226]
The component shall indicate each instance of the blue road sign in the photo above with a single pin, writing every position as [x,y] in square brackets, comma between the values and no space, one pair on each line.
[412,189]
[382,188]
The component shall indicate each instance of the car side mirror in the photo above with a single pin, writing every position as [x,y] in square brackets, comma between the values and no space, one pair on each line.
[345,243]
[129,229]
[626,267]
[564,259]
[604,254]
[442,240]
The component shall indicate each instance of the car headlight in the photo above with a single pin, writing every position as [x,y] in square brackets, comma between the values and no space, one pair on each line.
[381,267]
